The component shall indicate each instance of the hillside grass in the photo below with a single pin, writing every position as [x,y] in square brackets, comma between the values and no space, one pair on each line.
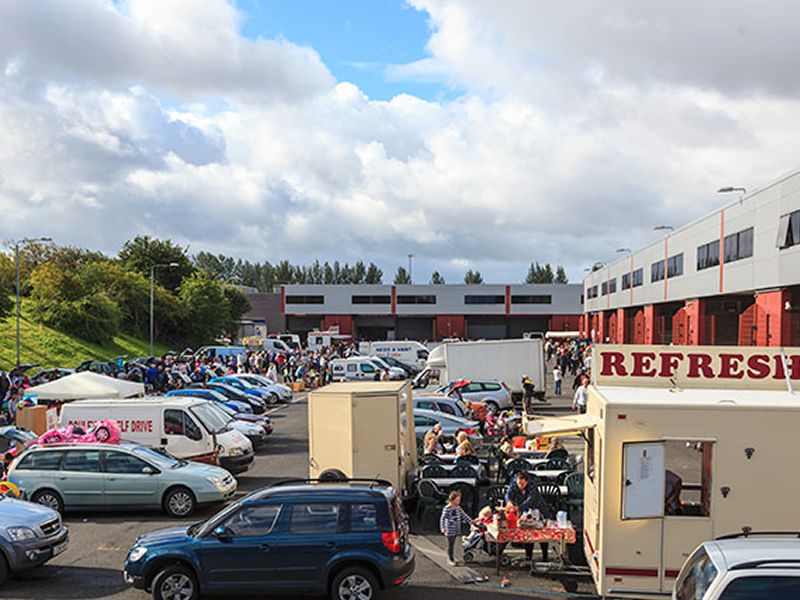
[50,348]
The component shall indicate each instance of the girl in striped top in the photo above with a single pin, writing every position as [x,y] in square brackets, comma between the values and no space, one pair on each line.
[451,523]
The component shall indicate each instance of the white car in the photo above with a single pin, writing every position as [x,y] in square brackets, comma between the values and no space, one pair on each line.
[282,393]
[395,373]
[424,420]
[742,568]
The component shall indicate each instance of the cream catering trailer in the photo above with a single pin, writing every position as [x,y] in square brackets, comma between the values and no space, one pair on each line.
[357,430]
[682,445]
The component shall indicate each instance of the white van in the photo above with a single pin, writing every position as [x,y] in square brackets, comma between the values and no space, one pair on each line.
[356,368]
[276,345]
[223,351]
[411,353]
[189,428]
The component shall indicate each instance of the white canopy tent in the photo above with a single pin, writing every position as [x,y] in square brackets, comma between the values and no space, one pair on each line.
[86,385]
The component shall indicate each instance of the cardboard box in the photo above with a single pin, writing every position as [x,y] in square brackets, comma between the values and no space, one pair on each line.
[35,418]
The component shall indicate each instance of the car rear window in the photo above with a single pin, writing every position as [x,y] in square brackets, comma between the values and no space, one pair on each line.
[763,587]
[491,387]
[41,461]
[363,517]
[696,576]
[314,518]
[82,461]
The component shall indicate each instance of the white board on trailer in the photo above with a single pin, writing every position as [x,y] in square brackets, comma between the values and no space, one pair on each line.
[506,360]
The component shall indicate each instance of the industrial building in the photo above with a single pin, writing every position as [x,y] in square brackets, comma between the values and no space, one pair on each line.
[729,278]
[432,312]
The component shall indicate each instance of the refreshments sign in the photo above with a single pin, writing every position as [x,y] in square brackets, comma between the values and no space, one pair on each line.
[697,366]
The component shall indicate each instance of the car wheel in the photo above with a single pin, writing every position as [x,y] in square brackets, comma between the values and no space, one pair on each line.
[274,398]
[4,570]
[175,582]
[493,406]
[50,499]
[179,502]
[354,583]
[332,475]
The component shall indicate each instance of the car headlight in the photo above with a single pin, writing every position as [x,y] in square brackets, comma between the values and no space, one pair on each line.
[136,553]
[216,482]
[20,534]
[235,451]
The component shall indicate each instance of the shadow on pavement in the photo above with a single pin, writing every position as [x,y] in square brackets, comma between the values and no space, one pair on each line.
[60,582]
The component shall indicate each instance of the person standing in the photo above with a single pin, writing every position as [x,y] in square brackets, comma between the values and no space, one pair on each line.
[451,523]
[581,396]
[557,376]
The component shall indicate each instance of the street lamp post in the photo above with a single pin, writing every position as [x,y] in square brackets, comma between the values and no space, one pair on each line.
[729,189]
[16,264]
[152,302]
[663,228]
[410,263]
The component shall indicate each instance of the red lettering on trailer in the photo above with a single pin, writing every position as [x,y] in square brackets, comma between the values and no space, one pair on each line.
[700,362]
[669,362]
[730,366]
[642,361]
[758,366]
[613,364]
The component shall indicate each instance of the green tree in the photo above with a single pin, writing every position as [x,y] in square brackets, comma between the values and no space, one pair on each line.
[561,275]
[374,274]
[473,277]
[436,278]
[7,286]
[219,266]
[207,310]
[283,273]
[142,252]
[238,305]
[539,274]
[359,273]
[401,277]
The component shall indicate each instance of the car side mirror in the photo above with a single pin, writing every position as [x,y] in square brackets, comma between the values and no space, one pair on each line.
[222,533]
[148,470]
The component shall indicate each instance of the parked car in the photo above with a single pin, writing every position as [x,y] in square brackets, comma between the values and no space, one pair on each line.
[393,362]
[30,535]
[346,539]
[424,420]
[236,405]
[443,404]
[741,568]
[279,392]
[495,394]
[395,373]
[11,437]
[115,477]
[257,404]
[261,420]
[236,382]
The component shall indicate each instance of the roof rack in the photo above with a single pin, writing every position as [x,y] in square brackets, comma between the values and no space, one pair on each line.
[371,482]
[747,532]
[776,562]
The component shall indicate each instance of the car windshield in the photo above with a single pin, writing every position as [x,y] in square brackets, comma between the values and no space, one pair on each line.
[162,458]
[380,362]
[213,419]
[695,577]
[231,391]
[226,409]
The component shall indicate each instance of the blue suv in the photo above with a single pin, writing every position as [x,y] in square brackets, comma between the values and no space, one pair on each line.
[348,539]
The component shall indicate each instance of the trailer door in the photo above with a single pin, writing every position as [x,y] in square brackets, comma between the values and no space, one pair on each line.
[643,493]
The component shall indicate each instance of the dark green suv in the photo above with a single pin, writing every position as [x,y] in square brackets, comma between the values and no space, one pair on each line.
[346,538]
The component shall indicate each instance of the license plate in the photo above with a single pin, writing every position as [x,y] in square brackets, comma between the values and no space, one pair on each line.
[59,548]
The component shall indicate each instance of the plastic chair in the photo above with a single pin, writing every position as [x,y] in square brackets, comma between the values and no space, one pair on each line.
[501,458]
[430,459]
[559,453]
[469,496]
[551,492]
[574,483]
[435,471]
[496,496]
[430,500]
[469,460]
[558,464]
[464,471]
[515,466]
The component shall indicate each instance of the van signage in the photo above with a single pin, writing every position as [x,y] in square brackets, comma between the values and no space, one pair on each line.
[696,366]
[125,425]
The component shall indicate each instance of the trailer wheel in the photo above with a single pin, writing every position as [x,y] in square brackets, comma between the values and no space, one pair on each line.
[332,475]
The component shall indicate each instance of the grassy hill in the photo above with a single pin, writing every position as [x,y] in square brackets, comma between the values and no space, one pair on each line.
[51,348]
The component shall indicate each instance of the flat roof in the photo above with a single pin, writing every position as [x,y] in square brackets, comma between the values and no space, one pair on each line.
[647,396]
[362,387]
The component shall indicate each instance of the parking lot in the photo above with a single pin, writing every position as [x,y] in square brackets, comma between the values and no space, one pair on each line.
[92,565]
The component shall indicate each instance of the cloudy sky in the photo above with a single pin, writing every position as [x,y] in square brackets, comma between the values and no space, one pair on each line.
[471,133]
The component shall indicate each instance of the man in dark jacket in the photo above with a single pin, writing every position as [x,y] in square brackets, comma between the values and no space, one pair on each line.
[525,496]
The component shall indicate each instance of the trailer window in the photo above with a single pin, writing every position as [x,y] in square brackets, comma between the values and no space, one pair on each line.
[590,462]
[687,478]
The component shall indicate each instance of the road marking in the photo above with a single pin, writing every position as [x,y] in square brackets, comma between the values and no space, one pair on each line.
[282,406]
[107,548]
[439,558]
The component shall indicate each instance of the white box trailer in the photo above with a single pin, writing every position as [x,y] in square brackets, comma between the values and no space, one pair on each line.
[683,444]
[357,429]
[505,360]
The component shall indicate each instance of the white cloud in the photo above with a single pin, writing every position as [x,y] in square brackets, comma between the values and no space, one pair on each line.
[575,131]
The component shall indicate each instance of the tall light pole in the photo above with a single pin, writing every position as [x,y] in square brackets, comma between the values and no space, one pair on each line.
[410,263]
[152,296]
[663,228]
[729,189]
[16,263]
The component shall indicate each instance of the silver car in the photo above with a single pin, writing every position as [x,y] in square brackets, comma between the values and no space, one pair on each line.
[494,393]
[30,535]
[424,420]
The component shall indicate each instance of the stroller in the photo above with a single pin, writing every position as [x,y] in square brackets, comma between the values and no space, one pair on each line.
[476,540]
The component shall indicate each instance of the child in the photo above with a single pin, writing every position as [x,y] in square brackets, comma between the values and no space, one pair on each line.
[452,520]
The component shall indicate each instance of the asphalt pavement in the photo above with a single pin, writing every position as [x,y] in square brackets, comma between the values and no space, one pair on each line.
[92,565]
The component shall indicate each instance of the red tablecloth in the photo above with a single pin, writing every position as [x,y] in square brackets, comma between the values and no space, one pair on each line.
[526,535]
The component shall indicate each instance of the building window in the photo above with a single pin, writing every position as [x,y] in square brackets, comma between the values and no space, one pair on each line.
[657,271]
[604,288]
[789,230]
[708,255]
[523,299]
[305,299]
[483,299]
[416,299]
[372,299]
[612,286]
[675,265]
[638,277]
[626,281]
[737,246]
[591,292]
